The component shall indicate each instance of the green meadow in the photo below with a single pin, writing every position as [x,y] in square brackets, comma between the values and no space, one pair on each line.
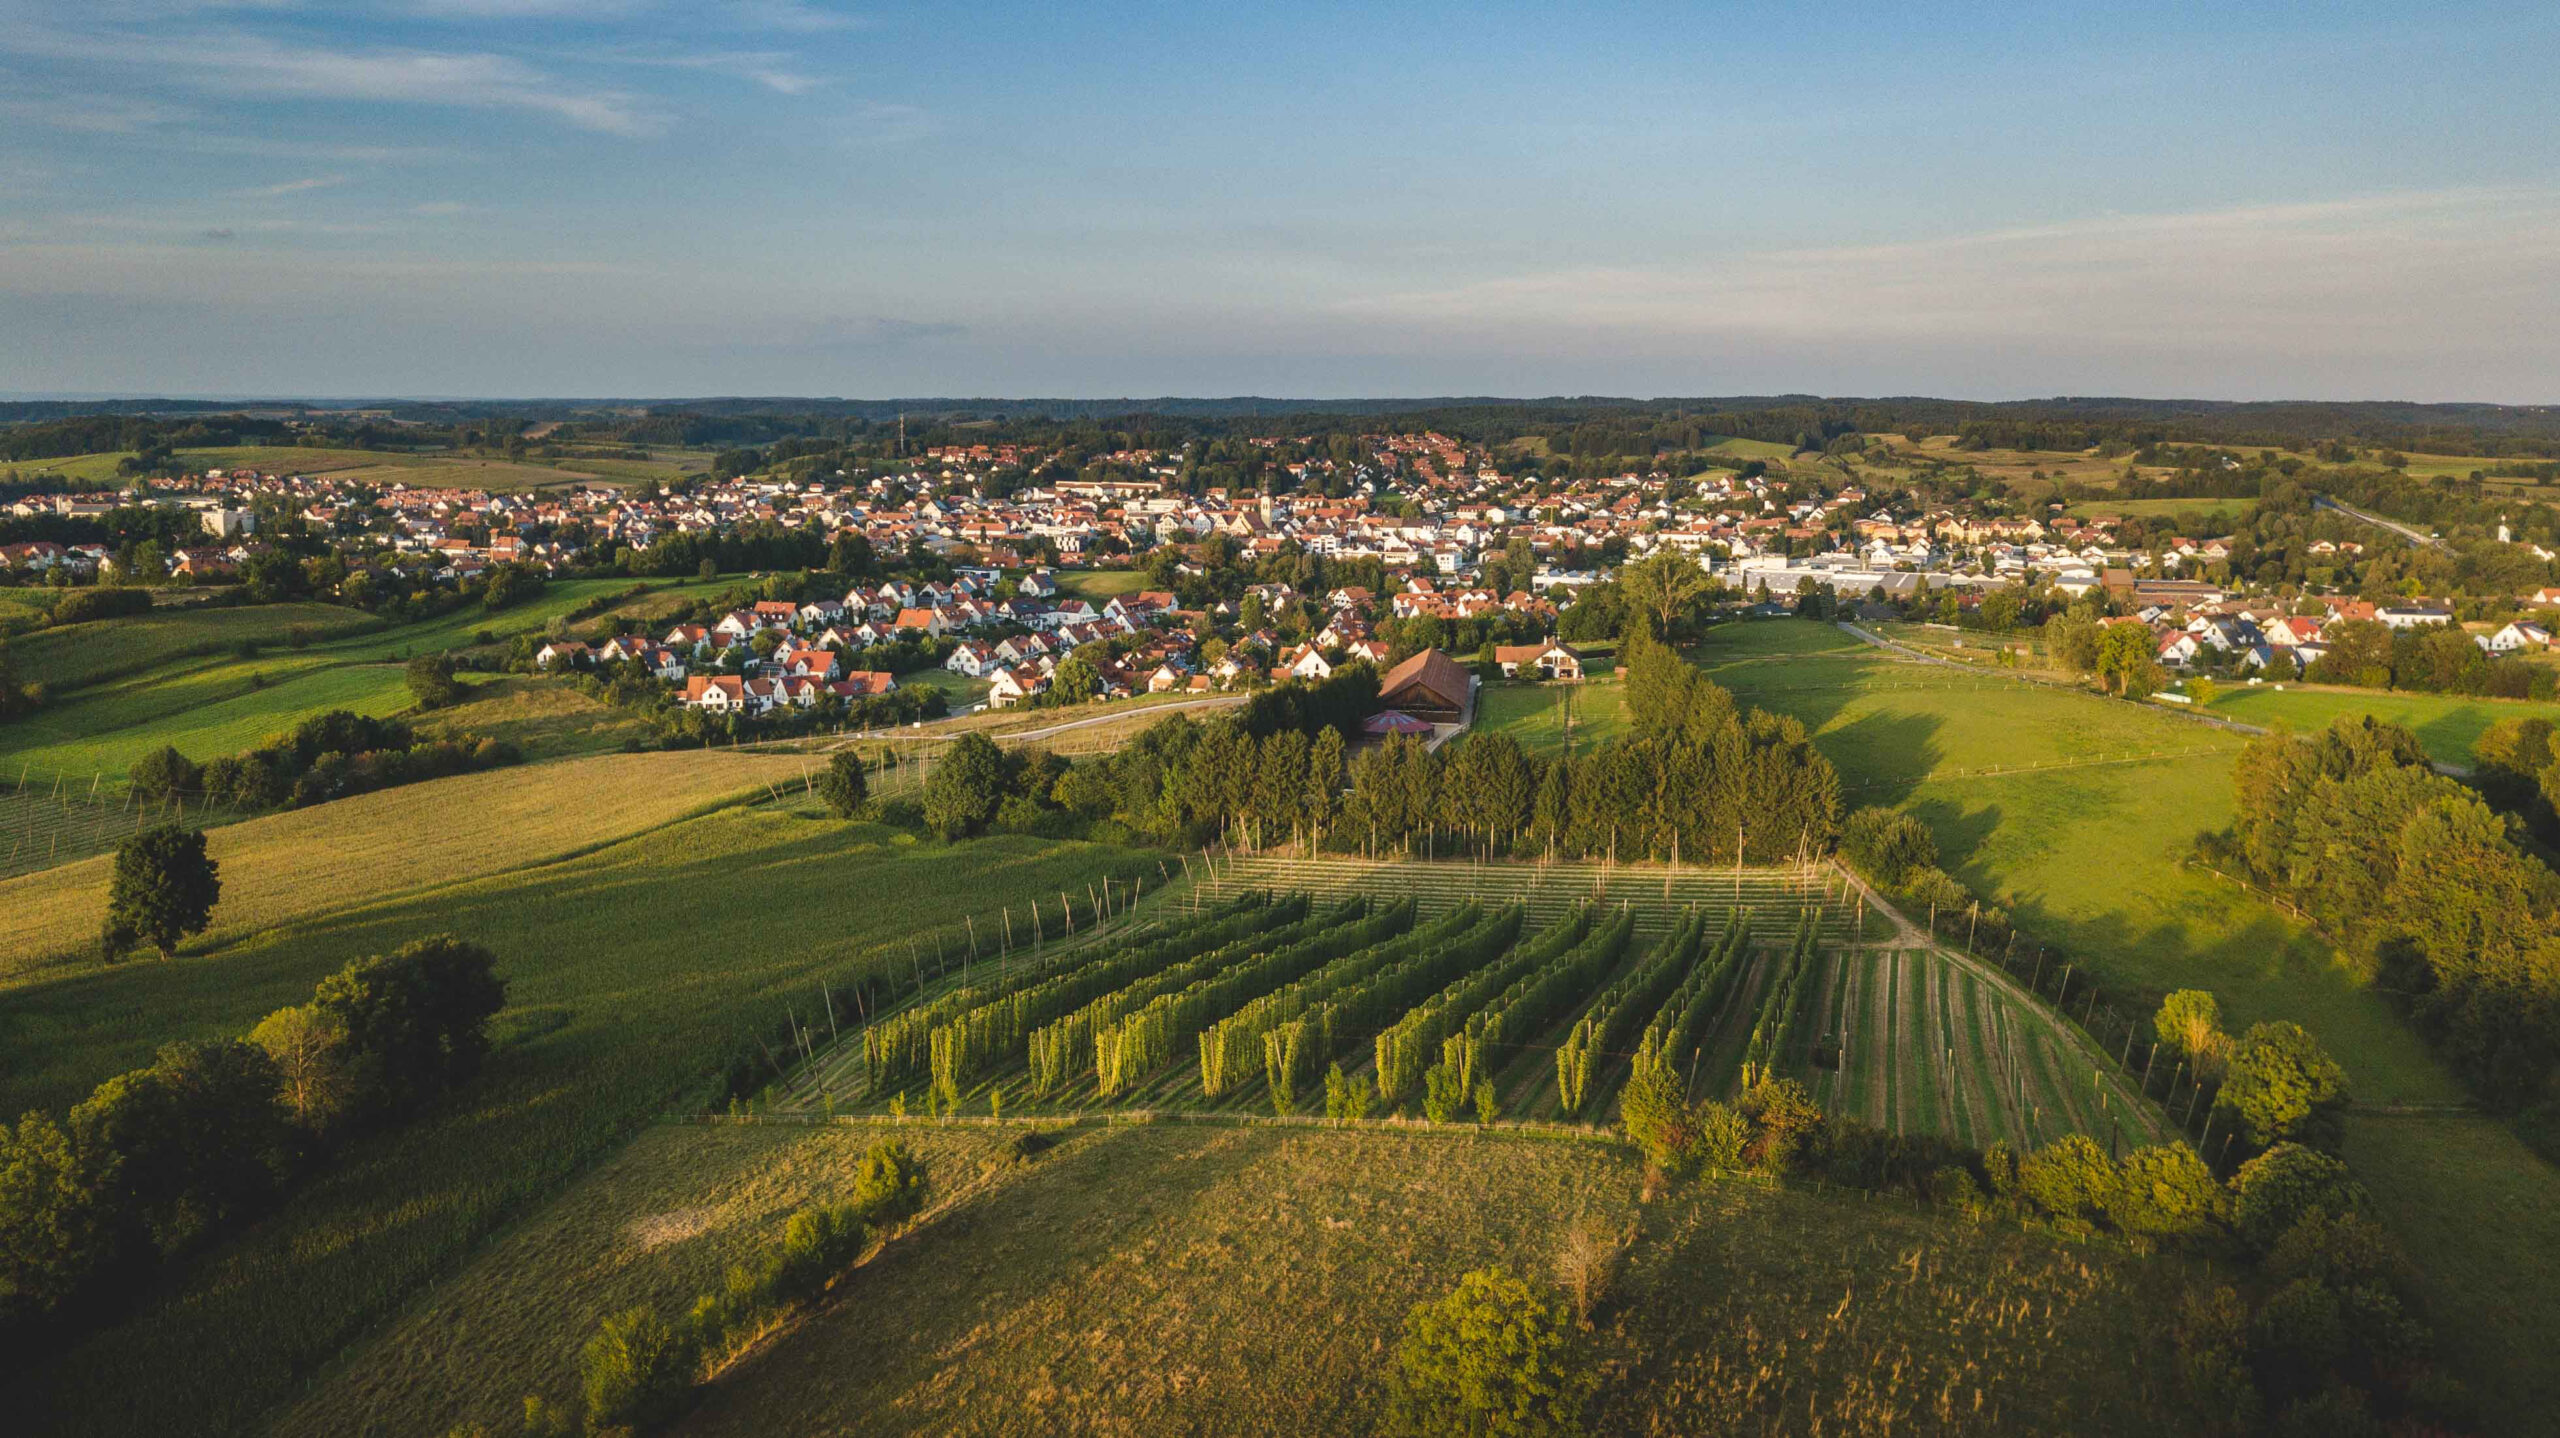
[2447,724]
[1554,718]
[2090,853]
[182,684]
[74,655]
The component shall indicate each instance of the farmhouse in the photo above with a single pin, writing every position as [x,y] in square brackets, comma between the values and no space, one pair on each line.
[1550,660]
[1430,686]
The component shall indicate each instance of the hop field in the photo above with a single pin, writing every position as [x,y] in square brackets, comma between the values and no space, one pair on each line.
[1909,1040]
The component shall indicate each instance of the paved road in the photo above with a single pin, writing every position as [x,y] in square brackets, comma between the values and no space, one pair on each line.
[2423,541]
[1219,702]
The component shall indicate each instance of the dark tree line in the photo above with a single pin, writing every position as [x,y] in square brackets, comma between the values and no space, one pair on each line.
[1695,779]
[2418,874]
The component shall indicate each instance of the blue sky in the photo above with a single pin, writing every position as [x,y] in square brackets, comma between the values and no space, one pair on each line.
[625,197]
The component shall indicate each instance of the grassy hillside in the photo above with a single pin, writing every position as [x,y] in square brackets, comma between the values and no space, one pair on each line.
[78,654]
[545,717]
[351,851]
[1173,1278]
[210,706]
[636,973]
[225,726]
[366,466]
[2090,855]
[2219,514]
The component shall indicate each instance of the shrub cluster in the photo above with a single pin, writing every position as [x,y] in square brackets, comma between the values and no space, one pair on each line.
[1899,855]
[641,1369]
[328,756]
[161,1159]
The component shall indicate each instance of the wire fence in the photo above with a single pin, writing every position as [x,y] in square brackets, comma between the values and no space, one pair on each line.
[50,819]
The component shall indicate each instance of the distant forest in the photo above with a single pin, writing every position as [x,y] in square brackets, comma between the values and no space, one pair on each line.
[1585,426]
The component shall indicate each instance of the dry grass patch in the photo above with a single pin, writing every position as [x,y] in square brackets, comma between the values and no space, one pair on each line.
[1173,1278]
[336,855]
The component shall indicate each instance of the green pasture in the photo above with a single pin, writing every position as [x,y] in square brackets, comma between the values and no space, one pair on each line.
[1553,718]
[2216,513]
[2093,858]
[958,690]
[2480,1214]
[2447,724]
[208,704]
[1099,586]
[226,726]
[1750,448]
[79,654]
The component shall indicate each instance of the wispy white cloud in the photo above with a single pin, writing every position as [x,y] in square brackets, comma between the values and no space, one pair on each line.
[2365,275]
[773,69]
[234,63]
[93,113]
[291,187]
[787,15]
[602,10]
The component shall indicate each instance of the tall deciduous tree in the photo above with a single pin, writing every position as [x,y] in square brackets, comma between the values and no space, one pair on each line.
[314,1077]
[1662,587]
[431,681]
[196,1139]
[960,798]
[845,784]
[164,889]
[2279,1079]
[2190,1024]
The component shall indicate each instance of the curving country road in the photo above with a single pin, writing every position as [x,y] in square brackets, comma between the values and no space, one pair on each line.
[2423,541]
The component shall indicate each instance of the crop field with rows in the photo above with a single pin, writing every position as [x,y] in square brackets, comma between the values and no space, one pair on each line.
[1770,895]
[1441,986]
[1928,1045]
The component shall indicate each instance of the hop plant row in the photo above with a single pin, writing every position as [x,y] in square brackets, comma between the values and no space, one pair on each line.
[1611,1022]
[1681,1022]
[1063,1045]
[1404,1049]
[966,1043]
[1144,1042]
[1785,1008]
[1536,1000]
[1292,1050]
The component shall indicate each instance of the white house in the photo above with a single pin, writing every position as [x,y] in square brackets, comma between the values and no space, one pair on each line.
[2413,617]
[2520,635]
